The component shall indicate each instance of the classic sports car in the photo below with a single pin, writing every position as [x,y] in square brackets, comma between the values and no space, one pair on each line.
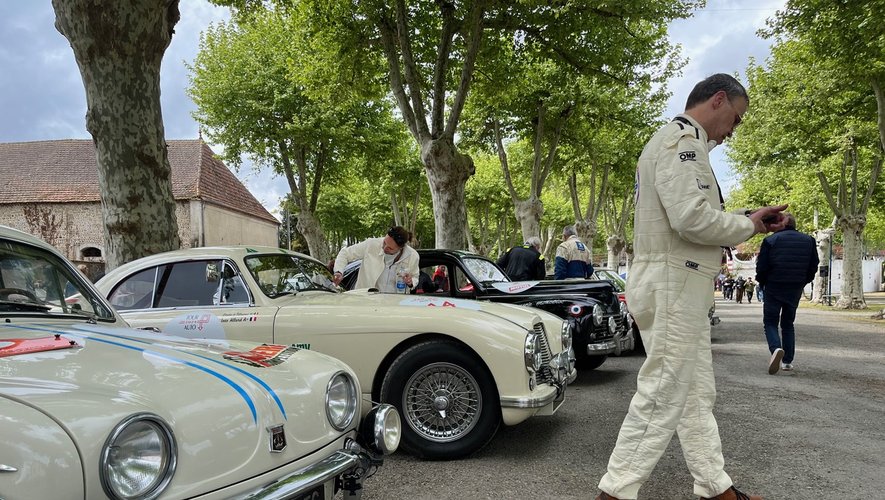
[599,322]
[93,409]
[455,369]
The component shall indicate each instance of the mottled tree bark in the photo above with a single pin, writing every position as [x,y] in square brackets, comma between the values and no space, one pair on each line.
[851,295]
[824,239]
[118,47]
[615,244]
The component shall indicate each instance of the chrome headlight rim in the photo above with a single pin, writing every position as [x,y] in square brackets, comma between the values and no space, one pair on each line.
[623,309]
[598,314]
[350,405]
[386,429]
[533,353]
[169,460]
[566,335]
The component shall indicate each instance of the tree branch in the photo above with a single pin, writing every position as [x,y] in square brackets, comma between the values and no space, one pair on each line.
[573,192]
[396,80]
[554,147]
[413,79]
[880,107]
[477,12]
[874,177]
[828,193]
[318,176]
[294,189]
[502,156]
[447,10]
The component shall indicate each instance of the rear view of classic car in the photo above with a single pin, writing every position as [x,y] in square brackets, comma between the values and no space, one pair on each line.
[600,323]
[93,409]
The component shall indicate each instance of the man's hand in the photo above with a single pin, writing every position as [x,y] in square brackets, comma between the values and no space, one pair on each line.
[768,219]
[407,278]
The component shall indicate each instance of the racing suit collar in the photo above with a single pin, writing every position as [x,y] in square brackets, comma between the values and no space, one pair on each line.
[695,124]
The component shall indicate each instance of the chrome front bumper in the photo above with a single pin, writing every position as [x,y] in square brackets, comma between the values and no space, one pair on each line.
[342,462]
[622,341]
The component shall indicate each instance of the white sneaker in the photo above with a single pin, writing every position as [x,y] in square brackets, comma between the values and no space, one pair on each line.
[774,363]
[787,367]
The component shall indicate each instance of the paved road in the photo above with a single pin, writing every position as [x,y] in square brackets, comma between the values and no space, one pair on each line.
[818,432]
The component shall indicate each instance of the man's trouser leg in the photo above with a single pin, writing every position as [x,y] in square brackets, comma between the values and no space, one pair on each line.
[788,330]
[699,433]
[679,329]
[771,312]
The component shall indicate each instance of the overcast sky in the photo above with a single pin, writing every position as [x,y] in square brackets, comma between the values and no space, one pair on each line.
[42,96]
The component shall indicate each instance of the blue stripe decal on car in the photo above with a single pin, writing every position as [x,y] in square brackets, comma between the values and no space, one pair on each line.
[221,377]
[255,378]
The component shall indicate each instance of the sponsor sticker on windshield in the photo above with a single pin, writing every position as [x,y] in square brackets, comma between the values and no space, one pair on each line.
[440,302]
[514,286]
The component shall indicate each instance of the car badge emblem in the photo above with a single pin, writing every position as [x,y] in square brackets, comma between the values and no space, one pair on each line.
[277,438]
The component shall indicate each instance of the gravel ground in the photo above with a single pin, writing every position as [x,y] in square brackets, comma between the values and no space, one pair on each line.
[818,432]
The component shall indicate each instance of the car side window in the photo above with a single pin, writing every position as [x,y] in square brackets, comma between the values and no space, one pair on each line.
[187,284]
[135,292]
[232,289]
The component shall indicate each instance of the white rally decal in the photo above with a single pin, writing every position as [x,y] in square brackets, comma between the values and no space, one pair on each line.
[440,302]
[197,324]
[514,286]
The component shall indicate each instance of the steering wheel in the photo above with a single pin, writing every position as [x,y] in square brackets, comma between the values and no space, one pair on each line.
[5,293]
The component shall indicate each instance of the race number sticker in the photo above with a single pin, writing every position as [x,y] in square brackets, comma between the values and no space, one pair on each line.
[440,302]
[197,324]
[514,286]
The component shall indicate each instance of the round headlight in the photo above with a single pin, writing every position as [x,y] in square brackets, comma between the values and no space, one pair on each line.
[533,353]
[341,401]
[138,459]
[383,426]
[566,335]
[598,314]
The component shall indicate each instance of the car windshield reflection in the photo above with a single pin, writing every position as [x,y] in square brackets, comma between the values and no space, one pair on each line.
[34,281]
[484,270]
[285,274]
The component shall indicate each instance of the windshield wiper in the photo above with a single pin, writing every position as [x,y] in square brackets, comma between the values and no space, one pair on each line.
[25,306]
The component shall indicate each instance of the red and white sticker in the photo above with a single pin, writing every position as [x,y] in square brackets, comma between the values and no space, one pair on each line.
[12,347]
[263,356]
[514,286]
[440,302]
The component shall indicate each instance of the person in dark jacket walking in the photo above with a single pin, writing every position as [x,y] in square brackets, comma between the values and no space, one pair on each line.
[728,288]
[787,262]
[525,262]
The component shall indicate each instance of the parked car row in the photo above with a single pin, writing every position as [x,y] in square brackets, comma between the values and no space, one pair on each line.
[94,409]
[600,323]
[250,373]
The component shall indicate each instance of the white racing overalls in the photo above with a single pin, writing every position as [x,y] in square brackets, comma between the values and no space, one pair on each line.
[679,229]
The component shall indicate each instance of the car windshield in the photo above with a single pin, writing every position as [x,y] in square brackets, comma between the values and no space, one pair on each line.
[36,281]
[484,270]
[617,280]
[284,274]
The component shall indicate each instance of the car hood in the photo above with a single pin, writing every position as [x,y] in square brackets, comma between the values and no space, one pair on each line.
[549,287]
[89,377]
[420,306]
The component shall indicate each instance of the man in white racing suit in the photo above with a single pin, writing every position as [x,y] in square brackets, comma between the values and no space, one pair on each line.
[679,230]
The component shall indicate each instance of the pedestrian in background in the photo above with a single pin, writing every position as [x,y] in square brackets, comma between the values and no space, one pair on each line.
[573,258]
[750,289]
[728,288]
[524,262]
[787,262]
[384,261]
[679,229]
[739,289]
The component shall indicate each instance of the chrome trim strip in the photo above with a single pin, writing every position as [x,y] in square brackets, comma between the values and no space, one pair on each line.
[527,402]
[309,477]
[7,468]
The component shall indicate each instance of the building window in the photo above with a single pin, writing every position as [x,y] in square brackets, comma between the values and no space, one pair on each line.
[90,252]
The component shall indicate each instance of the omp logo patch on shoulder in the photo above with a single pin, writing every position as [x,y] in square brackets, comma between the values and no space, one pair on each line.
[701,185]
[687,156]
[580,246]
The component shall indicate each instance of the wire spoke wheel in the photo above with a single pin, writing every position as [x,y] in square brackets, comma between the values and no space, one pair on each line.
[442,402]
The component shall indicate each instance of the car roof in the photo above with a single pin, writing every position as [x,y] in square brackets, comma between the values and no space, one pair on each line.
[434,252]
[15,234]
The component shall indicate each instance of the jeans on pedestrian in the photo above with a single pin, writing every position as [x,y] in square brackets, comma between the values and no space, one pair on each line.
[779,309]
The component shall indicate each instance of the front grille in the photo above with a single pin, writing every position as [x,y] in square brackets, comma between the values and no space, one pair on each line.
[545,374]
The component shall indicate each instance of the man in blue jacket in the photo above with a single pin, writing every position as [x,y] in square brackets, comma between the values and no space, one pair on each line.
[787,262]
[573,258]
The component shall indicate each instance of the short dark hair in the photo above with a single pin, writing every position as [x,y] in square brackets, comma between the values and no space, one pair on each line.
[399,235]
[791,221]
[707,87]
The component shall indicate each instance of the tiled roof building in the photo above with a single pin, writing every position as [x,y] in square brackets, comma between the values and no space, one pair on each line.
[50,189]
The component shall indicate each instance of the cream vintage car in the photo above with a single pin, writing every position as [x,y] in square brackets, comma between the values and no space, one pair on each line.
[92,409]
[456,369]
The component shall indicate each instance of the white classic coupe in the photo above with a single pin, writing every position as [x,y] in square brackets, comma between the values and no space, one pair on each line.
[456,369]
[93,409]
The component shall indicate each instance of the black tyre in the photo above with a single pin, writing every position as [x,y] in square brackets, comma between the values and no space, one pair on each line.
[638,346]
[448,401]
[586,362]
